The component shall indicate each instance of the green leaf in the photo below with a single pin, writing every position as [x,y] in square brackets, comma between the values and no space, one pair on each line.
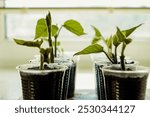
[95,40]
[94,48]
[34,43]
[116,41]
[54,30]
[109,42]
[98,36]
[120,35]
[128,41]
[41,29]
[97,32]
[129,31]
[74,27]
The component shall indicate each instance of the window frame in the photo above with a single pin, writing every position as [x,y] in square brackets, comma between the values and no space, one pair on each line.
[109,8]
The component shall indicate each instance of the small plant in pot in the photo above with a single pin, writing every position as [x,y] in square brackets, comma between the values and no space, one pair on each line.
[44,79]
[100,60]
[74,27]
[120,81]
[47,32]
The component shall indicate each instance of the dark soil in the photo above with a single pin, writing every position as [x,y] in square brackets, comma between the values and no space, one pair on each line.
[42,86]
[125,88]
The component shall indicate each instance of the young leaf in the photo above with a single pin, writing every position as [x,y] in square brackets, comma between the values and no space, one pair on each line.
[129,31]
[116,41]
[97,32]
[74,27]
[95,40]
[48,20]
[54,30]
[98,35]
[41,29]
[109,42]
[120,35]
[94,48]
[34,43]
[128,41]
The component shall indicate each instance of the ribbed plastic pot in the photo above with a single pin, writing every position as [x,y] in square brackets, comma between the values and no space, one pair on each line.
[70,76]
[66,81]
[42,84]
[125,85]
[71,88]
[100,81]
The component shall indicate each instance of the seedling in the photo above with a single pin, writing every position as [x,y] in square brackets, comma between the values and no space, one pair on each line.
[112,43]
[46,31]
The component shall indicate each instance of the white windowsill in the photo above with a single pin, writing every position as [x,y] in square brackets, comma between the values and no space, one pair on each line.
[10,85]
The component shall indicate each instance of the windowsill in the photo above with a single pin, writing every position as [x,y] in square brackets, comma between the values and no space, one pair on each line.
[10,86]
[91,95]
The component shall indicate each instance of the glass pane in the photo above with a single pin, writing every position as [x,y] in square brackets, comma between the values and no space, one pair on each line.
[1,3]
[23,25]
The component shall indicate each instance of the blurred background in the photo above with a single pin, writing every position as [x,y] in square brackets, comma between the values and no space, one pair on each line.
[18,20]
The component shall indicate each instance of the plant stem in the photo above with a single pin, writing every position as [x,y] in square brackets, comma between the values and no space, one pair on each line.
[116,60]
[42,61]
[46,55]
[122,62]
[113,58]
[122,57]
[55,47]
[56,41]
[52,56]
[108,57]
[49,26]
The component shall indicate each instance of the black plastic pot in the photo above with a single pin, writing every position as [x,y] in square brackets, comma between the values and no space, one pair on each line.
[125,85]
[71,88]
[69,79]
[42,84]
[70,75]
[100,81]
[66,83]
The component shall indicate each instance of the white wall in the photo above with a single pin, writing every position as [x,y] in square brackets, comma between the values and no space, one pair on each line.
[12,54]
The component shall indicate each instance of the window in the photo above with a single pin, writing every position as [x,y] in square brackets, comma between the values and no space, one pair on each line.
[89,12]
[23,25]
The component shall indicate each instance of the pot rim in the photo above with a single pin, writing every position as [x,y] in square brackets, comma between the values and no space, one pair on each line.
[138,69]
[25,68]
